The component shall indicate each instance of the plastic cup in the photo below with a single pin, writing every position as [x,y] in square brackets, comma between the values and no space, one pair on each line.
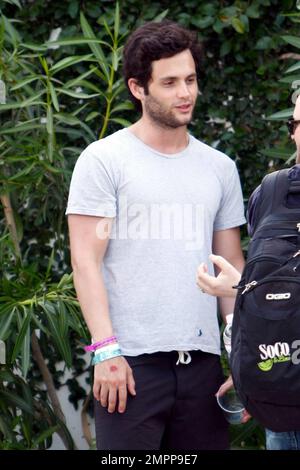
[231,406]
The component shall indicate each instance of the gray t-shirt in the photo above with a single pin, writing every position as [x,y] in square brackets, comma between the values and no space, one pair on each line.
[166,208]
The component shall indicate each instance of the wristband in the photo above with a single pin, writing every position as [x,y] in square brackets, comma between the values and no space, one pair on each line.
[100,344]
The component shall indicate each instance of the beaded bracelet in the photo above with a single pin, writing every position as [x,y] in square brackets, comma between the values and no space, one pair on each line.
[103,356]
[99,344]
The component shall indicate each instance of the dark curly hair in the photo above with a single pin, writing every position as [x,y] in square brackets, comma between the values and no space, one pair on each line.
[154,41]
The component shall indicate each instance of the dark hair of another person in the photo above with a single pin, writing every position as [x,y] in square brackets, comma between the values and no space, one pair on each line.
[155,41]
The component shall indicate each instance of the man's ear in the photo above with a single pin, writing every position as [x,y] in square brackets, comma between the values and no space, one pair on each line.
[137,90]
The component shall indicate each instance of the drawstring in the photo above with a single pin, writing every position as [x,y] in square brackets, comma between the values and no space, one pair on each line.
[182,359]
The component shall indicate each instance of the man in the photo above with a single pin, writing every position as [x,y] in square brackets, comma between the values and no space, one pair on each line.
[229,276]
[147,203]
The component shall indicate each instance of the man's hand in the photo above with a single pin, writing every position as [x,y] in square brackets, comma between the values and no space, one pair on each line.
[228,384]
[220,286]
[111,380]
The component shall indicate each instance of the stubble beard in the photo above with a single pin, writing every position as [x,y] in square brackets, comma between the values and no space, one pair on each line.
[162,117]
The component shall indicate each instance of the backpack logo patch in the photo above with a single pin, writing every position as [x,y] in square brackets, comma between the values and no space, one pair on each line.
[285,296]
[272,354]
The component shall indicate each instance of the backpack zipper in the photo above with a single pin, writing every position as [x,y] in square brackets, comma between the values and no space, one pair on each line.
[250,285]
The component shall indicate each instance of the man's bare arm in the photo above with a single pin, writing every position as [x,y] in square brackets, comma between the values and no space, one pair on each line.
[89,238]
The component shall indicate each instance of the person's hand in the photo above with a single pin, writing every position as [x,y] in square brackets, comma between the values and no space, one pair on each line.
[228,384]
[112,378]
[220,286]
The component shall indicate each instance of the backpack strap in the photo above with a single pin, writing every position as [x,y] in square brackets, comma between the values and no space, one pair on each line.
[273,193]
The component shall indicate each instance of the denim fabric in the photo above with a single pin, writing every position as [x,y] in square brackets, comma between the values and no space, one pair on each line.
[282,440]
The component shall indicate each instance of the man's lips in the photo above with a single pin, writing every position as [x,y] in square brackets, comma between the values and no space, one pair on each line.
[184,107]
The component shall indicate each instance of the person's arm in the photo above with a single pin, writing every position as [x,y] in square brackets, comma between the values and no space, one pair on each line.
[89,238]
[227,243]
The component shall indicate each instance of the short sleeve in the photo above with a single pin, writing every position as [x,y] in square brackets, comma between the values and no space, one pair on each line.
[93,185]
[231,211]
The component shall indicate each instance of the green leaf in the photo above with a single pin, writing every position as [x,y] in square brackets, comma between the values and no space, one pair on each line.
[277,153]
[117,22]
[22,104]
[34,47]
[293,40]
[75,94]
[161,16]
[27,170]
[293,68]
[15,2]
[286,113]
[44,64]
[26,81]
[53,96]
[121,121]
[91,116]
[54,323]
[68,61]
[203,22]
[67,119]
[253,11]
[127,105]
[73,9]
[45,435]
[25,326]
[74,121]
[292,79]
[238,25]
[23,127]
[96,48]
[5,323]
[86,84]
[108,30]
[115,60]
[26,353]
[49,124]
[225,48]
[76,81]
[9,28]
[16,401]
[77,41]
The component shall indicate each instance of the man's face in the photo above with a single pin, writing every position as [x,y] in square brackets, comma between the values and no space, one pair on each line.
[172,91]
[296,135]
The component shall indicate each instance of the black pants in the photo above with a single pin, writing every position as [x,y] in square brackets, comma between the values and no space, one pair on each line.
[174,408]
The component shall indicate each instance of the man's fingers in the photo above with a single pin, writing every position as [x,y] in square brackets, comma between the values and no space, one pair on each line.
[225,386]
[130,382]
[246,416]
[122,398]
[220,262]
[104,395]
[96,391]
[112,399]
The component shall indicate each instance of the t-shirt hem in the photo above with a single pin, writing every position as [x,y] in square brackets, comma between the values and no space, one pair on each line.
[93,212]
[155,349]
[236,223]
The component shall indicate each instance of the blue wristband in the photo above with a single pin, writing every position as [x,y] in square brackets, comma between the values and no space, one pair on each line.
[103,356]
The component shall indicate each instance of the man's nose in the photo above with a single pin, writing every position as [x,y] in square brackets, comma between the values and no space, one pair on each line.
[183,90]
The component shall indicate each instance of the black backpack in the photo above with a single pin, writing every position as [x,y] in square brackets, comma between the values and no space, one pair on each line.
[265,355]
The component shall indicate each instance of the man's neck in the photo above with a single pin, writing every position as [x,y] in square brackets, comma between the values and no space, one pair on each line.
[168,141]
